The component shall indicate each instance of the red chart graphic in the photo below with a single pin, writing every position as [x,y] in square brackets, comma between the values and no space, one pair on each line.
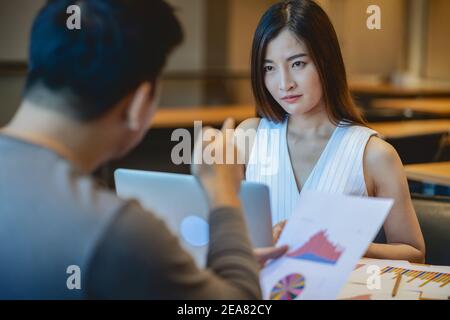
[318,249]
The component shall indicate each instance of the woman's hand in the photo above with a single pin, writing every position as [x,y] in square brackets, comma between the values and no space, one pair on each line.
[265,254]
[277,230]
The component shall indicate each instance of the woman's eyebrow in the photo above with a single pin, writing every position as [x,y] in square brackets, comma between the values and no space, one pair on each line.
[300,55]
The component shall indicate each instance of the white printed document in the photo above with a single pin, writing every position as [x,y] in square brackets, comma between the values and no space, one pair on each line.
[327,235]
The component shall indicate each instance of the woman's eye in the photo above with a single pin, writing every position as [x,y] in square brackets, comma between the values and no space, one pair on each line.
[299,64]
[268,68]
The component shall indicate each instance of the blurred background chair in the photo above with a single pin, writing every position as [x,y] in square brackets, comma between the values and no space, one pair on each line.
[443,154]
[419,149]
[434,218]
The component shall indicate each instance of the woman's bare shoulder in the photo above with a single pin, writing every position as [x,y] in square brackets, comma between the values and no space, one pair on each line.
[382,163]
[251,123]
[383,167]
[379,152]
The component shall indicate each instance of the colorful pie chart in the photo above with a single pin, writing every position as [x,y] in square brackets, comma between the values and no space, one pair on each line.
[288,288]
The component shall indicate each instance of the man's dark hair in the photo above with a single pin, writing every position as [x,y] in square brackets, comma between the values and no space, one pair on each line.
[121,44]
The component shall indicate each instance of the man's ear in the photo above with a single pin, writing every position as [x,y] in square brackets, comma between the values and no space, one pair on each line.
[140,105]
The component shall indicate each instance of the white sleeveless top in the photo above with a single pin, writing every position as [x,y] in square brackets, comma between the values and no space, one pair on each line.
[338,170]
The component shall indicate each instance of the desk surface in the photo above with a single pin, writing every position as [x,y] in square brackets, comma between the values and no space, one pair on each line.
[436,173]
[439,107]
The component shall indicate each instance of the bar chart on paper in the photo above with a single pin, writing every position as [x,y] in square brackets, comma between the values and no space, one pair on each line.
[318,249]
[439,278]
[415,281]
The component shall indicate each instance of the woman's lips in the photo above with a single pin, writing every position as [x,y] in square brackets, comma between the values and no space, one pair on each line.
[291,99]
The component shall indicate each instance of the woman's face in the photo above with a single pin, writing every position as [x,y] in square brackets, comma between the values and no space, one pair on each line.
[291,76]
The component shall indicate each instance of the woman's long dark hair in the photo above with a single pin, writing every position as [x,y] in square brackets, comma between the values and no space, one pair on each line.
[310,24]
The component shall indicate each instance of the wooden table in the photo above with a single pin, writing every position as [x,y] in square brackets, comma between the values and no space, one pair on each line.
[434,173]
[211,116]
[392,90]
[439,107]
[185,117]
[411,128]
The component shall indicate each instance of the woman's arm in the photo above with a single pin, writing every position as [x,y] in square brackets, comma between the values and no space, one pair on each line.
[385,178]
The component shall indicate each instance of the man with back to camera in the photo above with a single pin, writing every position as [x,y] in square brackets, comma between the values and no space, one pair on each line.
[89,97]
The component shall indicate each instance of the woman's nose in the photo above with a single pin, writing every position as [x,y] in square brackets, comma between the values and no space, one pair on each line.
[286,83]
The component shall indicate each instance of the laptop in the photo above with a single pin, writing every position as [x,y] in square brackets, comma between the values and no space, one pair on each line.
[181,203]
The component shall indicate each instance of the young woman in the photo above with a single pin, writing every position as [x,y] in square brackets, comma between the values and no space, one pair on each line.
[322,142]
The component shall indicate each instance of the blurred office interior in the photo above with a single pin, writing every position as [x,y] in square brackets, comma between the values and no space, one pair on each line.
[399,75]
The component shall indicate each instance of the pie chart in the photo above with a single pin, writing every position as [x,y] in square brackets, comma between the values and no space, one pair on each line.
[288,288]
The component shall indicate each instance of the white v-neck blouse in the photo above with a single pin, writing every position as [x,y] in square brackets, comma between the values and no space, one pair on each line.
[338,170]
